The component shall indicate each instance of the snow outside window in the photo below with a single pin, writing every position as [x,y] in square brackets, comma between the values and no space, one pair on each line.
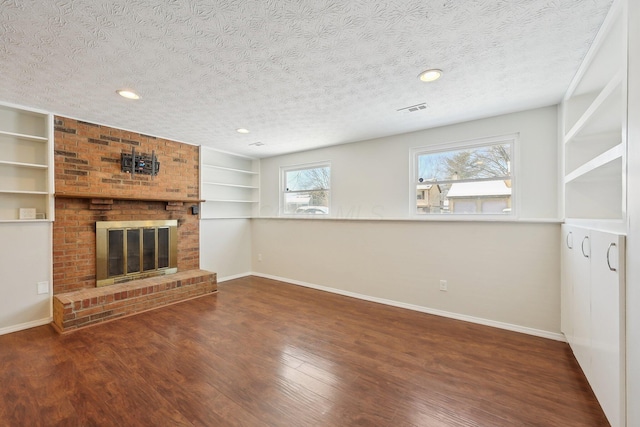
[473,177]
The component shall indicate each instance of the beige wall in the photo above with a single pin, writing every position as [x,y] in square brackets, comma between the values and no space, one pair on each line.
[225,247]
[25,260]
[501,272]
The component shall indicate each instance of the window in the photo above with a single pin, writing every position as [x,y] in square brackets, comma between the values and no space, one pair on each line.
[474,177]
[306,189]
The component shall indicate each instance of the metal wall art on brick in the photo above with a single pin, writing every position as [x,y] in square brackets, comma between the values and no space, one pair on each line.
[140,163]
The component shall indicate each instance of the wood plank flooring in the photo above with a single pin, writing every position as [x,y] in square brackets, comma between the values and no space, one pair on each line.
[264,353]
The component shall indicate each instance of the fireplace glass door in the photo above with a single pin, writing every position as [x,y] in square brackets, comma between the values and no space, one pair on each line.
[132,249]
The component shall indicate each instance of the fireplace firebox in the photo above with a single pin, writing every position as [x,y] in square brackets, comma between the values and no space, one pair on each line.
[127,250]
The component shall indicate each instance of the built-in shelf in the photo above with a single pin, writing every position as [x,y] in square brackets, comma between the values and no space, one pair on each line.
[594,139]
[226,217]
[23,136]
[603,111]
[248,172]
[230,201]
[26,153]
[23,221]
[582,150]
[23,192]
[229,184]
[23,165]
[599,166]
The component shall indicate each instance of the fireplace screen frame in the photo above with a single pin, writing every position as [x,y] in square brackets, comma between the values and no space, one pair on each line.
[103,228]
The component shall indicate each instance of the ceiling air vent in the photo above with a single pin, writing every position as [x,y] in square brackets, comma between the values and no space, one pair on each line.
[414,108]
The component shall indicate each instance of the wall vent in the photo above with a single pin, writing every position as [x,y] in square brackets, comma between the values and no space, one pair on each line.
[414,108]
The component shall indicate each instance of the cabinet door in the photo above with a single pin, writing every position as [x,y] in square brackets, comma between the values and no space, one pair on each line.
[567,246]
[581,307]
[608,324]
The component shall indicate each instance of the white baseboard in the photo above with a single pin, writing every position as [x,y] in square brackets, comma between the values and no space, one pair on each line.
[235,276]
[457,316]
[27,325]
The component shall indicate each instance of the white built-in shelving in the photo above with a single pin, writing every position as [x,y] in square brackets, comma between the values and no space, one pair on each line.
[26,170]
[229,185]
[594,141]
[593,127]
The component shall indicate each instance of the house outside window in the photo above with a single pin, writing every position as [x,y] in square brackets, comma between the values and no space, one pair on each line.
[306,189]
[473,177]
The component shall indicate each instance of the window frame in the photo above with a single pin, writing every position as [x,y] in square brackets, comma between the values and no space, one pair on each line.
[416,152]
[283,189]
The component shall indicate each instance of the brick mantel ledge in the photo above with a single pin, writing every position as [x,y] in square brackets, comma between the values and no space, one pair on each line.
[86,307]
[104,196]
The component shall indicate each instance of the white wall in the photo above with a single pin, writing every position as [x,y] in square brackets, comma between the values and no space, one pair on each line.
[370,179]
[25,260]
[498,271]
[225,247]
[633,209]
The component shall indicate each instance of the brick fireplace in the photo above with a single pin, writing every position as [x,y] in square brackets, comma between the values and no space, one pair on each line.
[91,187]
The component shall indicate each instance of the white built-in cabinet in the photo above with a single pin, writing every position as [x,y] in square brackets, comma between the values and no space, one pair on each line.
[576,300]
[593,312]
[593,128]
[229,185]
[26,171]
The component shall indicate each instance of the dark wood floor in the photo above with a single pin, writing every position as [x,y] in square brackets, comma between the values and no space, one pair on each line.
[263,353]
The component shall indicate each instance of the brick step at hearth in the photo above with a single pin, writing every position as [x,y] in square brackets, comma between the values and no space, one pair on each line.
[85,307]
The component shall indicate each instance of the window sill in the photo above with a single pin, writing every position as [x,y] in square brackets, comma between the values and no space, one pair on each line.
[420,219]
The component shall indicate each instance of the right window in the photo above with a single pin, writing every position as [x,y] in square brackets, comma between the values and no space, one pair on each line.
[474,177]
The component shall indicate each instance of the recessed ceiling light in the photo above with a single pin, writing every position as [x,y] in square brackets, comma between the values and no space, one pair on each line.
[129,94]
[242,130]
[430,75]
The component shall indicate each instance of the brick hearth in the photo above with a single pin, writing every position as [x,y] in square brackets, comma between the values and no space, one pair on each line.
[86,307]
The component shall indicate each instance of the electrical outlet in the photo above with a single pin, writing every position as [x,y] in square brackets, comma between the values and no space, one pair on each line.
[260,257]
[43,288]
[443,285]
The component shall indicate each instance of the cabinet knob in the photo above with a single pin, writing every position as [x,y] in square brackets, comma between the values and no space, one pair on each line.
[608,257]
[570,245]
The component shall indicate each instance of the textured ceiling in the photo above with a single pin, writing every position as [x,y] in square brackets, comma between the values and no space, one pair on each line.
[299,74]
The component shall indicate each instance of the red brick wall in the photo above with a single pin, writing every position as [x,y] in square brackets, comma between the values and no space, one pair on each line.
[87,161]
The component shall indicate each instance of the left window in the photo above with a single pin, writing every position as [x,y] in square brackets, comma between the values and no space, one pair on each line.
[306,189]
